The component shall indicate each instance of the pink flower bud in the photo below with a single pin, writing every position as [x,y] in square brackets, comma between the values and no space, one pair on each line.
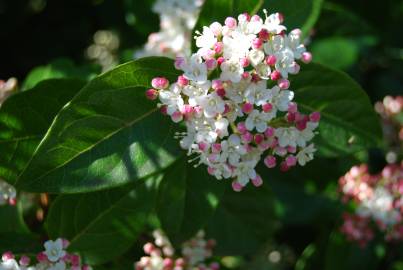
[164,109]
[215,266]
[315,117]
[182,81]
[269,132]
[284,84]
[255,18]
[177,117]
[179,62]
[258,138]
[168,262]
[275,75]
[203,146]
[247,108]
[291,117]
[151,94]
[230,22]
[65,243]
[264,35]
[257,181]
[306,57]
[41,257]
[295,68]
[216,148]
[271,60]
[267,107]
[292,107]
[257,43]
[221,92]
[220,60]
[280,17]
[244,62]
[211,64]
[301,125]
[218,47]
[236,186]
[284,167]
[247,137]
[241,127]
[296,31]
[8,255]
[245,75]
[24,260]
[247,16]
[208,54]
[148,248]
[227,108]
[217,84]
[75,260]
[270,161]
[216,28]
[210,170]
[160,83]
[291,161]
[12,201]
[291,149]
[180,262]
[86,267]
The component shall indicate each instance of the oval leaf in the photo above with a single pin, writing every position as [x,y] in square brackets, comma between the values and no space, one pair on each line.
[107,136]
[349,123]
[25,118]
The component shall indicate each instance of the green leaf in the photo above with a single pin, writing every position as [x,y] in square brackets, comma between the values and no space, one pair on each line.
[243,221]
[102,225]
[218,10]
[24,120]
[326,51]
[301,14]
[341,254]
[349,123]
[58,68]
[12,219]
[187,199]
[20,243]
[107,136]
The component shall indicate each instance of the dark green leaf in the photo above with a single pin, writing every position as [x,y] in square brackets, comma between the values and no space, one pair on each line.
[102,225]
[243,221]
[107,136]
[349,123]
[187,199]
[24,120]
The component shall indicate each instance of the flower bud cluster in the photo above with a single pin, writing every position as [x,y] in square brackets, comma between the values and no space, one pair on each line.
[161,255]
[377,201]
[7,193]
[54,257]
[235,100]
[177,19]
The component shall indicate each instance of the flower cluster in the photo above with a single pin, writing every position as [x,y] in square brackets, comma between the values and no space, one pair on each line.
[377,201]
[235,100]
[161,255]
[178,17]
[54,257]
[7,193]
[7,88]
[391,111]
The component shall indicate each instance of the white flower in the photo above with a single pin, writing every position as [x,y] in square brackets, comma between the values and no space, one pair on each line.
[54,250]
[274,45]
[285,62]
[58,266]
[212,104]
[257,93]
[207,39]
[263,71]
[293,41]
[273,24]
[195,69]
[235,91]
[257,120]
[287,136]
[231,71]
[172,98]
[256,57]
[9,265]
[196,90]
[237,46]
[306,154]
[245,171]
[7,192]
[221,127]
[232,149]
[280,98]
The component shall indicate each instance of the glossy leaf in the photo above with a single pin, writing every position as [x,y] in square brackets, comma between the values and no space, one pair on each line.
[107,136]
[348,121]
[102,225]
[187,199]
[25,118]
[243,221]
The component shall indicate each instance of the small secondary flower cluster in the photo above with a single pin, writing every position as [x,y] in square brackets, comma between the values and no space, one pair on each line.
[7,193]
[178,17]
[55,257]
[377,200]
[235,100]
[161,255]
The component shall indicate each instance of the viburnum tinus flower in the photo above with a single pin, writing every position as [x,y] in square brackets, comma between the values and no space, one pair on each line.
[7,88]
[55,257]
[377,200]
[177,19]
[235,100]
[7,193]
[196,254]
